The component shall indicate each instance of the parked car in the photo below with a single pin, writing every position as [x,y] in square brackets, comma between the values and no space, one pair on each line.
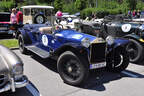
[5,26]
[119,26]
[11,71]
[36,14]
[76,53]
[69,20]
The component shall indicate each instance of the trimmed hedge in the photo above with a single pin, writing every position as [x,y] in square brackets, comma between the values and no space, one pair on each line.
[100,12]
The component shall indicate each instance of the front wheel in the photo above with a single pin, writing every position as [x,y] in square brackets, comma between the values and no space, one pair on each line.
[135,50]
[73,68]
[117,60]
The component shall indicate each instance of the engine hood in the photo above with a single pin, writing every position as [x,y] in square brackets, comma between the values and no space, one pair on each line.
[8,60]
[73,35]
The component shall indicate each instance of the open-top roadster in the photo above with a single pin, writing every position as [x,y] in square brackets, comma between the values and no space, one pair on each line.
[119,26]
[76,52]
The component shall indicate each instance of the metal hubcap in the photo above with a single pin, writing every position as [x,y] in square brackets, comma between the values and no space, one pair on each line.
[40,19]
[133,51]
[72,69]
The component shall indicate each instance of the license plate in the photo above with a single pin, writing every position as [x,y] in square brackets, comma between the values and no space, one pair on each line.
[98,65]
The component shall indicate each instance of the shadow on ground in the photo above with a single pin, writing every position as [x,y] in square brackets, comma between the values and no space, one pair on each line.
[97,78]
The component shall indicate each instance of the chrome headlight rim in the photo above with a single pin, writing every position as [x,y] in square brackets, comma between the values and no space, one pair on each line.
[17,69]
[110,40]
[85,42]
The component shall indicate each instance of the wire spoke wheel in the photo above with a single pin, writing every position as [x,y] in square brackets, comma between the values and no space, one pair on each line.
[135,50]
[72,68]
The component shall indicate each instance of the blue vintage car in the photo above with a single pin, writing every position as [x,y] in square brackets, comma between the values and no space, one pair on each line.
[76,53]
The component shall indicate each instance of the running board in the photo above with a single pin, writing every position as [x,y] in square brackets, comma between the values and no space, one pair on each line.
[40,52]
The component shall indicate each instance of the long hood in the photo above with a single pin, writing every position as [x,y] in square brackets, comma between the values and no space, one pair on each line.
[74,35]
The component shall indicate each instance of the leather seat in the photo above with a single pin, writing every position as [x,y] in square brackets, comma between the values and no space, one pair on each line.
[45,30]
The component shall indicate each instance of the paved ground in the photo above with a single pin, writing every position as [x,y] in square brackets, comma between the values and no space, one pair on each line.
[45,81]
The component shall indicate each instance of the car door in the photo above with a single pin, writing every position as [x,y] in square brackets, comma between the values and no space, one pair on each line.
[46,39]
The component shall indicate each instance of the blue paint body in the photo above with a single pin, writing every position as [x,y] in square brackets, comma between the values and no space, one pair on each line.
[60,38]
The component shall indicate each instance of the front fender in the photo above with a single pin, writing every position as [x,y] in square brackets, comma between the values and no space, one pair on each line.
[136,37]
[8,60]
[73,47]
[120,42]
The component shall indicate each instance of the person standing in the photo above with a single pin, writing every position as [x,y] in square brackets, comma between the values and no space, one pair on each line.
[58,17]
[13,18]
[134,13]
[129,14]
[19,17]
[138,14]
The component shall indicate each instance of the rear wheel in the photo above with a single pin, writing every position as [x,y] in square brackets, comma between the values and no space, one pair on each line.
[73,68]
[135,50]
[21,45]
[117,60]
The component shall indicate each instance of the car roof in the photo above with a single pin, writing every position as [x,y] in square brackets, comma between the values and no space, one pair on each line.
[38,6]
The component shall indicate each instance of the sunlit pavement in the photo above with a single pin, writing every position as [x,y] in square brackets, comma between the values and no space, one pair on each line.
[45,81]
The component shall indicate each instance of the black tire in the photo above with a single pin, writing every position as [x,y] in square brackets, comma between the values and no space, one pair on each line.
[39,19]
[73,68]
[117,60]
[135,50]
[22,48]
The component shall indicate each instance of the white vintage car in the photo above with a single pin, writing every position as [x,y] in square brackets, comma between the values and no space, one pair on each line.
[11,71]
[36,14]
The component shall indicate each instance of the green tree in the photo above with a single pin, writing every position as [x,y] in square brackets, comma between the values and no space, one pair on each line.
[81,4]
[132,4]
[58,5]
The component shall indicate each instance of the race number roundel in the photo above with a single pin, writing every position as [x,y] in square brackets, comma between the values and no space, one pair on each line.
[45,40]
[126,27]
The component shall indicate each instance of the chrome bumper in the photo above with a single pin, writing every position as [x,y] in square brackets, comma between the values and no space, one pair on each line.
[17,84]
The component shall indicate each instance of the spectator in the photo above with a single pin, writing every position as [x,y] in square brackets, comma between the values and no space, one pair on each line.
[129,13]
[13,19]
[58,17]
[142,14]
[19,17]
[134,13]
[138,13]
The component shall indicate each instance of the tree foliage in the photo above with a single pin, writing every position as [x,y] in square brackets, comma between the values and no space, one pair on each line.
[58,4]
[81,4]
[132,4]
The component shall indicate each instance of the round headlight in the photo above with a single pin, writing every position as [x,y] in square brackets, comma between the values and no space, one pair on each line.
[85,42]
[110,40]
[17,69]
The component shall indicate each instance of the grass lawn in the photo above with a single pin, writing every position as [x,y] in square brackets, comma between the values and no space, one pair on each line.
[11,43]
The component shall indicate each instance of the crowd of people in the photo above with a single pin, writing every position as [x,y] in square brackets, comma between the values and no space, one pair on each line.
[135,14]
[16,16]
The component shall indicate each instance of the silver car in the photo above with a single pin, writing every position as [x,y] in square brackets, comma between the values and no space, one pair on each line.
[11,71]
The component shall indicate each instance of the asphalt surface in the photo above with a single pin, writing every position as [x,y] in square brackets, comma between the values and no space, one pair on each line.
[45,81]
